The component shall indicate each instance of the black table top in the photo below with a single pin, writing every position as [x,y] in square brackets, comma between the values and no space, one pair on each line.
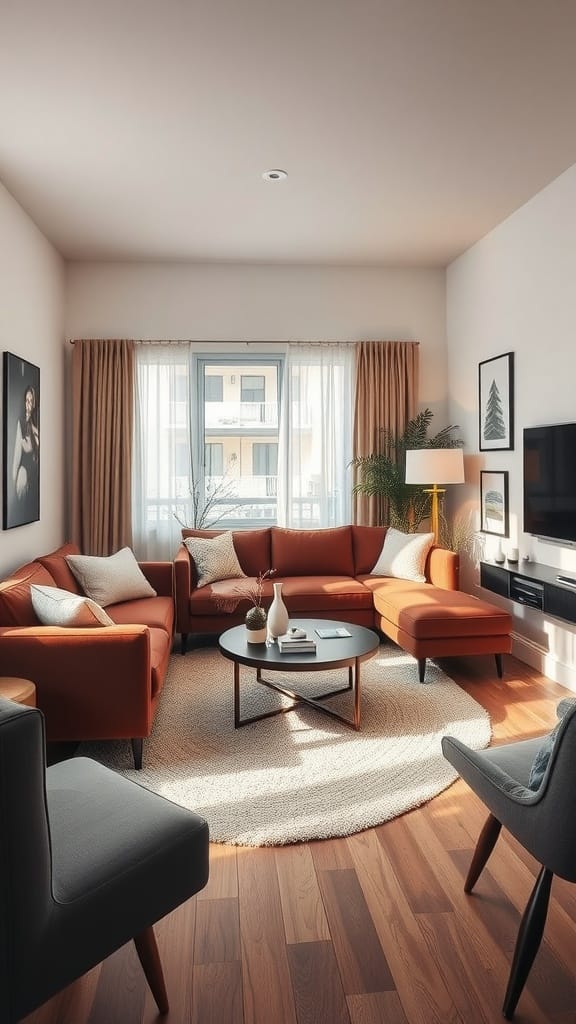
[329,653]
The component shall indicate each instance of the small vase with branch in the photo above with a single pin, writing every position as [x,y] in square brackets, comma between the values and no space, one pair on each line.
[256,616]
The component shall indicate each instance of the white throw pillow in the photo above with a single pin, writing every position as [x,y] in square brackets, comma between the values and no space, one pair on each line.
[404,555]
[56,607]
[110,580]
[215,558]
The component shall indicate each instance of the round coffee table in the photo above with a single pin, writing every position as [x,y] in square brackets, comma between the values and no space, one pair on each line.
[343,652]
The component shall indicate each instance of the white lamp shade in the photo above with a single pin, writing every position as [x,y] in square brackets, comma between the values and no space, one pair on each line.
[434,466]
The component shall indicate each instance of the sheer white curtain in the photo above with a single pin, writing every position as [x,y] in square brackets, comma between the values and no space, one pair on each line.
[314,477]
[161,464]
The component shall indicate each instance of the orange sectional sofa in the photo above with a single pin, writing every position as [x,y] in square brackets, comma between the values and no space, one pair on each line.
[91,683]
[326,574]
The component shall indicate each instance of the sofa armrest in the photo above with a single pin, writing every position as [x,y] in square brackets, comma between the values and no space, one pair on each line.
[90,683]
[160,575]
[183,588]
[443,568]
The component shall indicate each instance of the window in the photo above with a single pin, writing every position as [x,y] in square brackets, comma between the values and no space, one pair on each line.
[252,388]
[264,459]
[214,459]
[239,438]
[213,388]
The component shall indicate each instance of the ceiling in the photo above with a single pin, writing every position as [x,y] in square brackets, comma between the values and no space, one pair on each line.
[139,129]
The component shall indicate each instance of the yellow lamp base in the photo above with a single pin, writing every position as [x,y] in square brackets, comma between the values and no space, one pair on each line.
[435,491]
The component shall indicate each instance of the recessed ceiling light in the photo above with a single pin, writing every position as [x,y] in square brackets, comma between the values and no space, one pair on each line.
[274,175]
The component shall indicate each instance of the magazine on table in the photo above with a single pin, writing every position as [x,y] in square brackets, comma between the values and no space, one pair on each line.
[296,642]
[333,633]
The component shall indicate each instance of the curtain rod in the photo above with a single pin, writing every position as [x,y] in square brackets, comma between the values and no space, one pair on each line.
[200,341]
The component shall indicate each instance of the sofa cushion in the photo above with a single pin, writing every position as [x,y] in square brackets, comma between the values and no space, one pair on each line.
[425,611]
[252,547]
[110,580]
[403,555]
[227,596]
[214,558]
[313,594]
[156,612]
[55,607]
[58,567]
[367,544]
[15,598]
[312,552]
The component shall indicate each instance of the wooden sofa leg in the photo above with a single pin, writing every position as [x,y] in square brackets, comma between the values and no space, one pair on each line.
[183,642]
[137,752]
[499,667]
[421,668]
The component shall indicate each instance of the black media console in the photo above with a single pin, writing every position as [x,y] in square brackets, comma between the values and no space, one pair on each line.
[535,585]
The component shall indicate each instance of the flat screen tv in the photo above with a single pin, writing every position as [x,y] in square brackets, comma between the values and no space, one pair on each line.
[550,482]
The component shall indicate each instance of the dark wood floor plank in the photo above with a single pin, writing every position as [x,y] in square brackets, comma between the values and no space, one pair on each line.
[121,991]
[223,880]
[217,932]
[362,963]
[422,991]
[413,870]
[318,991]
[376,1008]
[330,854]
[302,907]
[267,988]
[217,995]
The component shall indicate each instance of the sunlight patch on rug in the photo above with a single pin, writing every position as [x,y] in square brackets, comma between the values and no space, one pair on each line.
[302,775]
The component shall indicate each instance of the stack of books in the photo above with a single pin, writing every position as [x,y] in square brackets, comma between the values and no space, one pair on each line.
[300,644]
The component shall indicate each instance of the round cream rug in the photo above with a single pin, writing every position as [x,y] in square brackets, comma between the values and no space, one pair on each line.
[301,775]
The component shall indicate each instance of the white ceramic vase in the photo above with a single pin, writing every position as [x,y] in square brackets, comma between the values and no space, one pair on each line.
[278,617]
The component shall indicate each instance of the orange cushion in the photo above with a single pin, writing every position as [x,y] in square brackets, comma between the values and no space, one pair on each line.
[251,546]
[59,569]
[324,593]
[367,542]
[225,597]
[312,552]
[15,600]
[425,611]
[156,612]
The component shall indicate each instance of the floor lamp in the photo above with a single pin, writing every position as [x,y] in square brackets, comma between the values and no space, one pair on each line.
[435,466]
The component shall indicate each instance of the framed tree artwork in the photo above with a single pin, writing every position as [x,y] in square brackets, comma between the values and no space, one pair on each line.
[496,403]
[494,517]
[21,445]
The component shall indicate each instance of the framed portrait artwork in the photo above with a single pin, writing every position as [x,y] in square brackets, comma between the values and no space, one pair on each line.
[496,403]
[494,516]
[21,442]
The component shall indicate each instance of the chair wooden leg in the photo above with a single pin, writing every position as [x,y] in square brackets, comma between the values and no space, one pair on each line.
[421,668]
[484,846]
[499,667]
[528,941]
[149,957]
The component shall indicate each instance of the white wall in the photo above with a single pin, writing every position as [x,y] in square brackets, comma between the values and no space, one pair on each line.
[515,290]
[233,302]
[31,326]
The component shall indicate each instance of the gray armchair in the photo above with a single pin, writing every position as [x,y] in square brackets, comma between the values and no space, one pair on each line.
[88,861]
[542,819]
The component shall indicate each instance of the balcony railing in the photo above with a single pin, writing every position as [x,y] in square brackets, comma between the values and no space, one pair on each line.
[241,414]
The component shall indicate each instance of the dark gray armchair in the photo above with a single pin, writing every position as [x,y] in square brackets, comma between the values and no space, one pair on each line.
[88,861]
[542,819]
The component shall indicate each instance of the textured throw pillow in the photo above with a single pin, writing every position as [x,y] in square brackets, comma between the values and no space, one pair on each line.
[540,762]
[215,558]
[55,607]
[110,580]
[404,555]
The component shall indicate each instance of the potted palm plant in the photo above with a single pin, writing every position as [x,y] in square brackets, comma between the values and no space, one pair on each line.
[383,473]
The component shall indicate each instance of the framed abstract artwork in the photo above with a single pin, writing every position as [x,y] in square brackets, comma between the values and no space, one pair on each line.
[21,442]
[494,517]
[496,403]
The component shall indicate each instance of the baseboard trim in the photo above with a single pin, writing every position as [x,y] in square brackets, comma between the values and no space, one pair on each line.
[538,657]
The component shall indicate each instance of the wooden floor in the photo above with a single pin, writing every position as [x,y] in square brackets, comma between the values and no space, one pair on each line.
[371,928]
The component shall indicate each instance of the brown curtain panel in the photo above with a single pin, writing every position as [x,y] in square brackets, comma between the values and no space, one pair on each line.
[386,396]
[102,421]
